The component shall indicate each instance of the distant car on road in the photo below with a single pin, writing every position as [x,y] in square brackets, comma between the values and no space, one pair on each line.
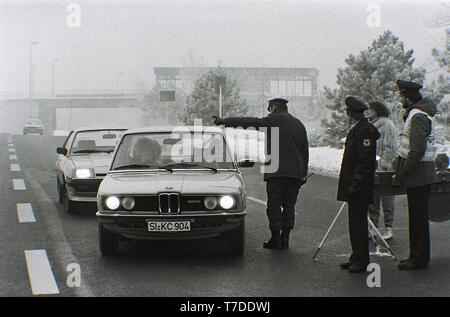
[33,126]
[82,164]
[168,184]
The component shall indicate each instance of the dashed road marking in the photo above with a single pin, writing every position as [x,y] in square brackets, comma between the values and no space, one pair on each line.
[13,157]
[11,150]
[42,280]
[19,184]
[25,212]
[14,167]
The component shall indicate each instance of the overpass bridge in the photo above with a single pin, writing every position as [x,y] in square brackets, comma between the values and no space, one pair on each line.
[64,110]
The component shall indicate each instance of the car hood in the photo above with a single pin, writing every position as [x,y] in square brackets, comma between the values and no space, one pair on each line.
[180,182]
[98,161]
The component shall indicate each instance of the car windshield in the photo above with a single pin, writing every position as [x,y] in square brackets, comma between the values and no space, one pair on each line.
[172,151]
[95,141]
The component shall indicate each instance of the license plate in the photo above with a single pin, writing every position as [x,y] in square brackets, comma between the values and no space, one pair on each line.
[168,226]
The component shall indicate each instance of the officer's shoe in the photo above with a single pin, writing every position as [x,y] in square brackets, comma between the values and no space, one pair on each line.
[409,265]
[345,265]
[357,268]
[274,242]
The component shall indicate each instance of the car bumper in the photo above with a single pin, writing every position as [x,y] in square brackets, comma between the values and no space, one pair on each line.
[83,190]
[202,226]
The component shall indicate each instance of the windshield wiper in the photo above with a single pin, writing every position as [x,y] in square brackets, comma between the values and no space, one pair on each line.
[191,165]
[139,166]
[91,151]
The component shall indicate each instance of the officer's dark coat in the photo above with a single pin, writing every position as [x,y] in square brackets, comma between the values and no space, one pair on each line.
[293,141]
[358,164]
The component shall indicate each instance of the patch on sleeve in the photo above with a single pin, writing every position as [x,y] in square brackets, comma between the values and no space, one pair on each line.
[366,142]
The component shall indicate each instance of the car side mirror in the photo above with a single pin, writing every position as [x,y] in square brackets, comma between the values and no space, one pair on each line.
[61,150]
[246,163]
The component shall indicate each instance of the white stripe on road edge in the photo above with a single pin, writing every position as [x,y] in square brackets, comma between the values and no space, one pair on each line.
[13,157]
[19,184]
[25,213]
[11,150]
[14,167]
[262,202]
[41,276]
[10,145]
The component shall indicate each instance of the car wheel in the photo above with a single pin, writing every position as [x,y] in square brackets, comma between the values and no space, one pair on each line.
[59,191]
[108,241]
[234,240]
[69,205]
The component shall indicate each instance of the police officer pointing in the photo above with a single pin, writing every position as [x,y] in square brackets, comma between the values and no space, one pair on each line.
[356,181]
[283,183]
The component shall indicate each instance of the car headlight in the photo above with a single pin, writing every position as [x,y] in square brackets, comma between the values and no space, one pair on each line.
[112,202]
[227,202]
[210,202]
[128,203]
[84,173]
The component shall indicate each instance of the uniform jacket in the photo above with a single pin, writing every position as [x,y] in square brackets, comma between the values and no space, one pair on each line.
[387,144]
[292,143]
[356,177]
[411,171]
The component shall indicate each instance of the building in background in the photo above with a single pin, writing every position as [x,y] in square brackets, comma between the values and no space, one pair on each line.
[298,85]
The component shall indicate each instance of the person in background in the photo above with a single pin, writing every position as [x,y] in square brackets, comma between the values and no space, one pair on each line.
[387,145]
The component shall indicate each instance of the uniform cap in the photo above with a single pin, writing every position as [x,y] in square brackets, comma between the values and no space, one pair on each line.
[405,86]
[278,101]
[355,104]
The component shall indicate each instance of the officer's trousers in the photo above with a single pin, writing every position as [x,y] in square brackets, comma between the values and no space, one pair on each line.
[282,195]
[359,233]
[419,231]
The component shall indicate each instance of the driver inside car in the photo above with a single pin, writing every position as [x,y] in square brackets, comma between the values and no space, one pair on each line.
[147,152]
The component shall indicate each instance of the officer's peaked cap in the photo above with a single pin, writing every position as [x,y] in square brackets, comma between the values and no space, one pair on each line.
[355,104]
[408,86]
[277,101]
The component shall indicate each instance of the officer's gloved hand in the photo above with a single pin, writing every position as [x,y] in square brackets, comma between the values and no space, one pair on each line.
[218,121]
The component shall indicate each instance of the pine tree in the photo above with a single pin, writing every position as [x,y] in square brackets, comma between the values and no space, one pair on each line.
[370,75]
[156,112]
[203,103]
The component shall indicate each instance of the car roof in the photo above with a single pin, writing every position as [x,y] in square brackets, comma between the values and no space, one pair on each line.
[175,129]
[97,129]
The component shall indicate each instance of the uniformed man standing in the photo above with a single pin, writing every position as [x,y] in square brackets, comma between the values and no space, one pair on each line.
[284,182]
[416,170]
[356,181]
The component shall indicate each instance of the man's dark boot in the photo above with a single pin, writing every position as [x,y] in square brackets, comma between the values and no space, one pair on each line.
[285,238]
[274,242]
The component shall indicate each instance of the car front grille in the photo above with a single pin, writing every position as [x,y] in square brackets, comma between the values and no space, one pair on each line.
[169,203]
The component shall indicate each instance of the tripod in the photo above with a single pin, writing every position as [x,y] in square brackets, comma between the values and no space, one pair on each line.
[370,224]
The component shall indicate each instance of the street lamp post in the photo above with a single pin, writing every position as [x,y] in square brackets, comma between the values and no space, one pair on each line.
[53,75]
[31,80]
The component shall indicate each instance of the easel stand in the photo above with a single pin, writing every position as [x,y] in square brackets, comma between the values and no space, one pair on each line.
[370,224]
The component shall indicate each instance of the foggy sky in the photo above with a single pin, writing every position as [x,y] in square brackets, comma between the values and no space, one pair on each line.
[132,37]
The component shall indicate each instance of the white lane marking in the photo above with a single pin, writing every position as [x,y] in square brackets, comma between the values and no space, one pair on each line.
[13,157]
[10,145]
[40,273]
[11,150]
[25,212]
[14,167]
[262,202]
[19,184]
